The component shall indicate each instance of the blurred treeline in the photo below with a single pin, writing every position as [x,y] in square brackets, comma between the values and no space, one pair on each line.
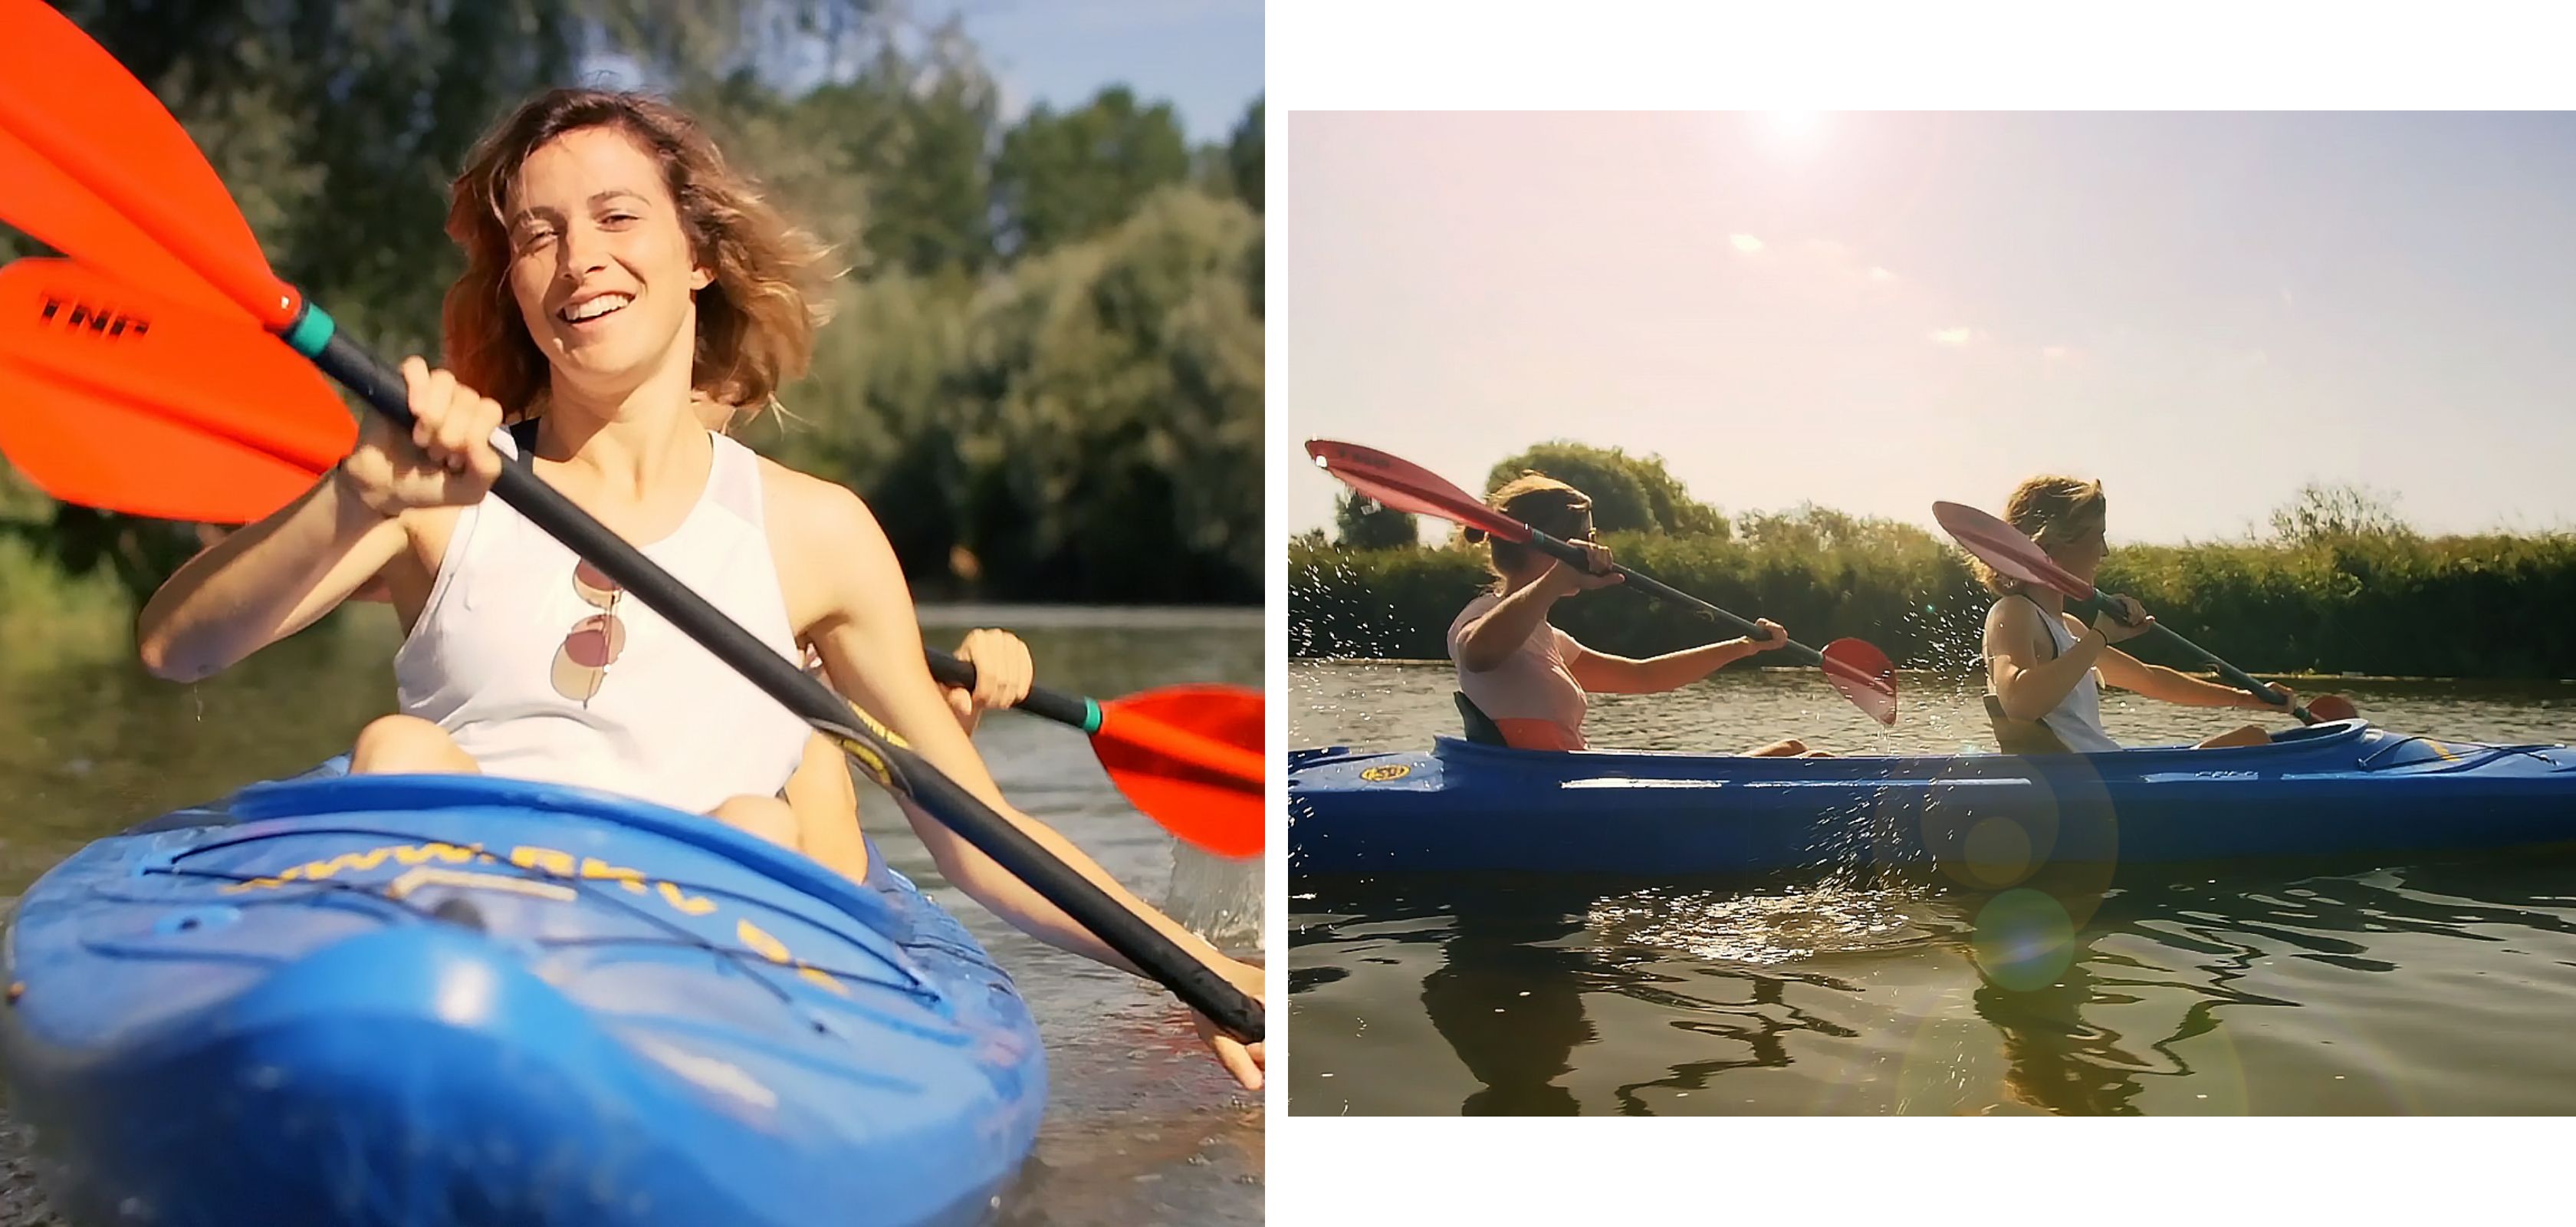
[2336,583]
[1045,368]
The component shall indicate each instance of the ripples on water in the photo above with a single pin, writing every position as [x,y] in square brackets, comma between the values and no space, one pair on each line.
[2442,986]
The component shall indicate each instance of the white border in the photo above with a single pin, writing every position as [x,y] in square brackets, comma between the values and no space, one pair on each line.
[1390,54]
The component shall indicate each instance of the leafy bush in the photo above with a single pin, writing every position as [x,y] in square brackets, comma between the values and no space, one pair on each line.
[2487,606]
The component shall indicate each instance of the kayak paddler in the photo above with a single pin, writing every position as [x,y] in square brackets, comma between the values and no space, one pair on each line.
[2046,666]
[1533,680]
[618,273]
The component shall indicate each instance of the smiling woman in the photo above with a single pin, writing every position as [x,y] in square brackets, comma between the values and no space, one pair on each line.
[625,164]
[623,283]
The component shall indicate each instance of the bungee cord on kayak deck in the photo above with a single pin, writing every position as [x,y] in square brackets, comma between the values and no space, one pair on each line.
[590,889]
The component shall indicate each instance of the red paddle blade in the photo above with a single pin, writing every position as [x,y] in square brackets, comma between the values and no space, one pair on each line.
[2007,549]
[97,168]
[1865,676]
[121,400]
[1407,486]
[45,203]
[2333,707]
[1192,784]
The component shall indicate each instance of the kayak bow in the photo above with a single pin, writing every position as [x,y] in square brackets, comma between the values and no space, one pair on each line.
[406,1001]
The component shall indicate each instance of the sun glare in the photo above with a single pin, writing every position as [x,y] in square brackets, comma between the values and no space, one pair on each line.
[1793,131]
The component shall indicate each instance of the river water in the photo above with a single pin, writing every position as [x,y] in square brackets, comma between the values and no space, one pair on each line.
[1142,1125]
[2439,985]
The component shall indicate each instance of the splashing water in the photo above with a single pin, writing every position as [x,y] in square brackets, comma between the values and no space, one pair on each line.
[1760,930]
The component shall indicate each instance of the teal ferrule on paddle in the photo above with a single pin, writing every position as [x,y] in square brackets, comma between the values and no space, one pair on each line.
[311,332]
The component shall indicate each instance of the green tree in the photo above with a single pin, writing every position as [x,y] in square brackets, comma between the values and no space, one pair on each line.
[1244,158]
[1064,177]
[1366,524]
[1114,394]
[1810,529]
[2322,513]
[909,135]
[1234,168]
[1628,493]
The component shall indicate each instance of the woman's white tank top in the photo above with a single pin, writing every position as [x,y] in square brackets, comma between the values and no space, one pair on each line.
[2077,720]
[541,673]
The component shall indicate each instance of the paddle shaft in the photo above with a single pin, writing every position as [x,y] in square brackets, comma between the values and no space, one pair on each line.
[1573,554]
[2100,602]
[894,766]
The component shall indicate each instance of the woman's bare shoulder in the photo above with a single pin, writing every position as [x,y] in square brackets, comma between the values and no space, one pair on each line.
[813,506]
[2007,613]
[827,544]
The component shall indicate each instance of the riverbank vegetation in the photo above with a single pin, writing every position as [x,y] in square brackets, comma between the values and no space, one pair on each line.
[2338,583]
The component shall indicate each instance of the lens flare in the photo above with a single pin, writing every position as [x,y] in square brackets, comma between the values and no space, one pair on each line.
[2023,940]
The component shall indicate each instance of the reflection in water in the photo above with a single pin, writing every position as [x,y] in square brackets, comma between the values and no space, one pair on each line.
[2190,992]
[1509,999]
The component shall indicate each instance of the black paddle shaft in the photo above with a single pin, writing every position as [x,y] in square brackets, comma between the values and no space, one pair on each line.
[896,767]
[2100,602]
[1561,548]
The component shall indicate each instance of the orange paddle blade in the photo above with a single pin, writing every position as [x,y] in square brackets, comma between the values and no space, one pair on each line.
[62,214]
[1405,486]
[117,399]
[1865,676]
[96,167]
[1209,804]
[2332,707]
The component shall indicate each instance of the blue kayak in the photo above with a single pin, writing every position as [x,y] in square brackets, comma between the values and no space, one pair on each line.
[2332,788]
[415,1001]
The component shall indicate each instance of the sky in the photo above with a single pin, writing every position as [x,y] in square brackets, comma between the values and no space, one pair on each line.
[1874,311]
[1203,56]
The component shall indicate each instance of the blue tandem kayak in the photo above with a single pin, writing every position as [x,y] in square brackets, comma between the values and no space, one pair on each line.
[417,1001]
[2331,788]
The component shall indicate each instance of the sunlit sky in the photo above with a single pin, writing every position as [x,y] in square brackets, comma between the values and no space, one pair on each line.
[1204,57]
[1875,311]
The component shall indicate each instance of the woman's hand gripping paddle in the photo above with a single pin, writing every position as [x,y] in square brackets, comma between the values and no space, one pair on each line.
[1189,757]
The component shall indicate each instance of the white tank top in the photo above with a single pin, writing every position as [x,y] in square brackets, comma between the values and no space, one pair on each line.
[1535,682]
[505,655]
[2077,720]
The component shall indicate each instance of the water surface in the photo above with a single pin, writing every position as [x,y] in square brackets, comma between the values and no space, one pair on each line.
[2438,985]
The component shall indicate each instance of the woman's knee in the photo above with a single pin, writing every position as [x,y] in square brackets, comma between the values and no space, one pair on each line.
[2242,735]
[401,745]
[766,817]
[1786,747]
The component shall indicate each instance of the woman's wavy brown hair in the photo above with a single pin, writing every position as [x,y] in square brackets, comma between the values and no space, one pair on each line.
[756,319]
[2047,510]
[1543,503]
